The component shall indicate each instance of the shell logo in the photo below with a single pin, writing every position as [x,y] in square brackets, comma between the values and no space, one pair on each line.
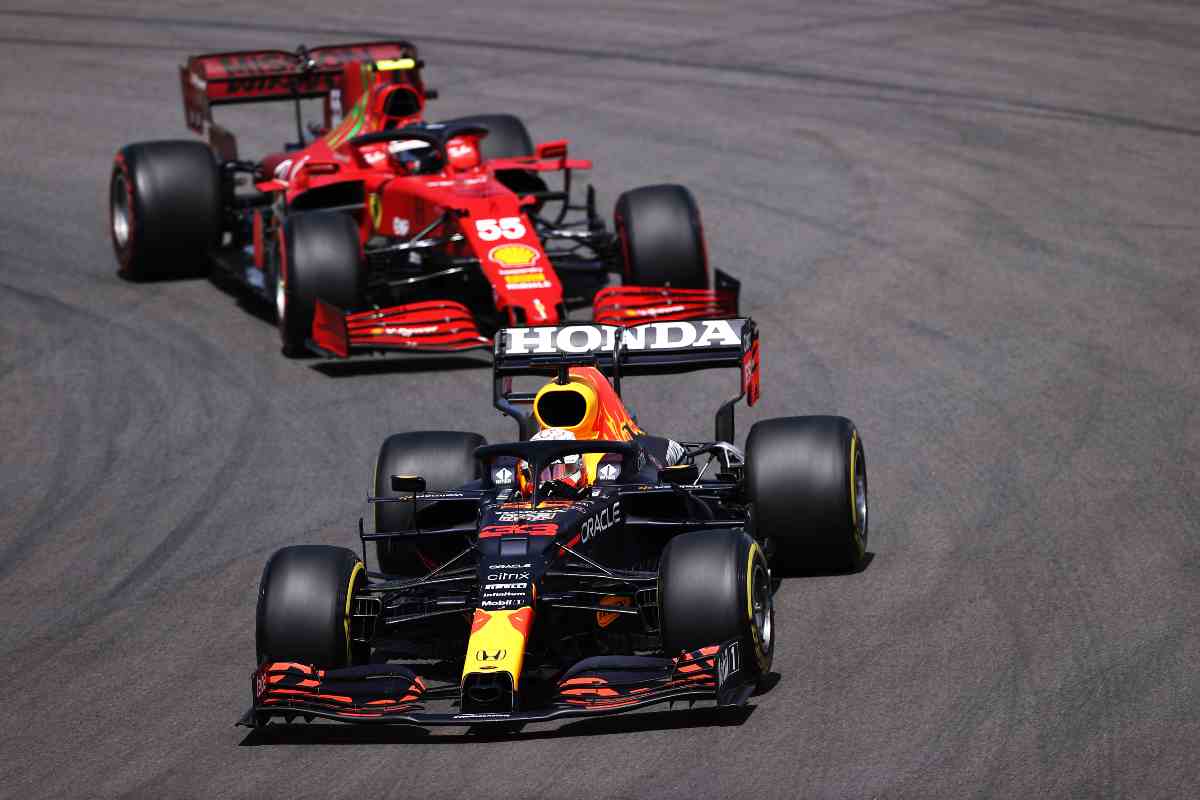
[514,255]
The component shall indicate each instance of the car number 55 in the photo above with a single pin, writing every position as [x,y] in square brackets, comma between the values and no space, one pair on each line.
[489,230]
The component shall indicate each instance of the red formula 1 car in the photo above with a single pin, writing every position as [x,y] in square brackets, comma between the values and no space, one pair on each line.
[387,232]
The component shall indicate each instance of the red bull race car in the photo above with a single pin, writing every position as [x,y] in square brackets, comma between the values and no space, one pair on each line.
[378,230]
[588,568]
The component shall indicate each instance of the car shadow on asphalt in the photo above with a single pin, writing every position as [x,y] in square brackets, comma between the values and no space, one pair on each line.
[404,364]
[779,576]
[336,734]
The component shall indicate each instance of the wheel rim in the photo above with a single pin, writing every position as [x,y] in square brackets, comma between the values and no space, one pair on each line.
[121,223]
[860,496]
[760,605]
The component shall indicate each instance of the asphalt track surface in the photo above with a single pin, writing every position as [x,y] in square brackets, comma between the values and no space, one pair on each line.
[969,226]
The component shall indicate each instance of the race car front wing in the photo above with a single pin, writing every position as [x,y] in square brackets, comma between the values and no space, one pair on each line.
[431,326]
[394,694]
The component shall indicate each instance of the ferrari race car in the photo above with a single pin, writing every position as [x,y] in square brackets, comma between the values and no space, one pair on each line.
[379,231]
[589,568]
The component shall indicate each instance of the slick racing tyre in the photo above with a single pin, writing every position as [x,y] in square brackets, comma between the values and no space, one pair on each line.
[304,607]
[164,204]
[714,586]
[446,460]
[507,138]
[807,482]
[662,241]
[320,258]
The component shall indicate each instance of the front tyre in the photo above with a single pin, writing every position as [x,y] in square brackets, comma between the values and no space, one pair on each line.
[320,258]
[715,586]
[661,238]
[304,603]
[165,208]
[807,482]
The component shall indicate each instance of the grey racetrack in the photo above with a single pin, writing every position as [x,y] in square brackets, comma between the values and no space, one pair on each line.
[972,227]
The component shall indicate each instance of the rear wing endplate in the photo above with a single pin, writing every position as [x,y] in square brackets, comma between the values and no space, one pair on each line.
[654,348]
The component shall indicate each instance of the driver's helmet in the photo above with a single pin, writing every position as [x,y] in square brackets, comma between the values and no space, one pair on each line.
[416,156]
[568,469]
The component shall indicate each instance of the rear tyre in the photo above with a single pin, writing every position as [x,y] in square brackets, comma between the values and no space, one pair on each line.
[807,482]
[304,607]
[662,240]
[320,259]
[715,586]
[164,208]
[446,460]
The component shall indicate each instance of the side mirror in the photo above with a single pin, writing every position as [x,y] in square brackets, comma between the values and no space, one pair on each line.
[679,474]
[555,149]
[408,483]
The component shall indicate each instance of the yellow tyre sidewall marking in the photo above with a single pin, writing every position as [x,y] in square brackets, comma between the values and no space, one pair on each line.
[755,634]
[358,567]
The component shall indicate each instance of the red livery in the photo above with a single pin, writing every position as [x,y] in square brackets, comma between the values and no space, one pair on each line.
[379,230]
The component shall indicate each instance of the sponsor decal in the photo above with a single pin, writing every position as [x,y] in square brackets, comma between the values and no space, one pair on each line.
[604,338]
[540,515]
[540,307]
[601,522]
[514,255]
[374,157]
[400,226]
[299,83]
[459,150]
[728,662]
[490,586]
[501,575]
[504,475]
[511,566]
[543,504]
[482,716]
[335,107]
[608,472]
[537,529]
[394,331]
[652,312]
[525,277]
[490,655]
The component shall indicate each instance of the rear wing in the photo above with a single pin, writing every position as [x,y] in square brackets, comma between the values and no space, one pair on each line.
[653,348]
[253,76]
